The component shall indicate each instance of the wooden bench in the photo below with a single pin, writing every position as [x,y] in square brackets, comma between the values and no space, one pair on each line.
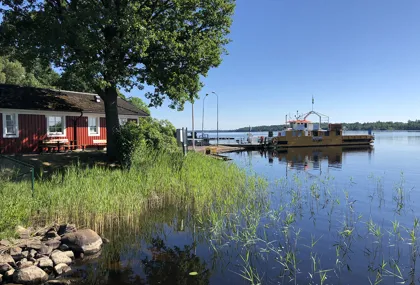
[53,144]
[99,144]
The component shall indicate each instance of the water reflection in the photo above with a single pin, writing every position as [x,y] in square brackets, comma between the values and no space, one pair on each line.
[311,158]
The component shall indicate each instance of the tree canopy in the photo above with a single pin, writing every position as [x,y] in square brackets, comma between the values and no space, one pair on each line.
[410,125]
[167,44]
[13,72]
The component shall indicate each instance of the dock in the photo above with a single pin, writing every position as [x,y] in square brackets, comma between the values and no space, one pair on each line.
[219,149]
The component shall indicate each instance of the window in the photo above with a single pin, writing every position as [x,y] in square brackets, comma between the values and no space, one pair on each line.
[56,126]
[93,126]
[123,121]
[10,126]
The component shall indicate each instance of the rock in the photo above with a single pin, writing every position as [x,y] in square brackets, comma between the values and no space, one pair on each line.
[4,242]
[24,264]
[105,240]
[61,268]
[9,273]
[58,282]
[34,244]
[16,253]
[45,250]
[4,268]
[1,278]
[51,234]
[85,241]
[32,253]
[64,247]
[69,254]
[25,254]
[53,243]
[6,258]
[60,257]
[44,262]
[23,233]
[67,228]
[30,275]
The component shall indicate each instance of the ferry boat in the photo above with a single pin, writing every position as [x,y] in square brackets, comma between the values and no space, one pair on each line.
[301,132]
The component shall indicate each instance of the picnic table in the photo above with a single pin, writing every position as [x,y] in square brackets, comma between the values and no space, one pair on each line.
[58,144]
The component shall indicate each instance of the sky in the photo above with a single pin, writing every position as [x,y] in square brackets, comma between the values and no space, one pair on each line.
[360,59]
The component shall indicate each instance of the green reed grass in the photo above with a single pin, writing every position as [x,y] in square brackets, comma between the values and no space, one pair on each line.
[155,176]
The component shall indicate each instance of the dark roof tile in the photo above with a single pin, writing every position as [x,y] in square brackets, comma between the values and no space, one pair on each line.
[30,98]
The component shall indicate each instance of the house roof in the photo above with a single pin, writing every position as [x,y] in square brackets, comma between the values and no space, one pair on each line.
[30,98]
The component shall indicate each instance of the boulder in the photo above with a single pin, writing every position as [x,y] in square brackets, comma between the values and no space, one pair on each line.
[69,254]
[25,254]
[67,228]
[4,242]
[30,275]
[34,244]
[6,258]
[45,250]
[83,241]
[23,233]
[61,268]
[60,257]
[16,253]
[32,253]
[51,234]
[24,264]
[4,268]
[9,273]
[44,262]
[64,247]
[53,243]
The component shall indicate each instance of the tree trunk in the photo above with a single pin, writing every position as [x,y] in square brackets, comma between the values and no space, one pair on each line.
[112,122]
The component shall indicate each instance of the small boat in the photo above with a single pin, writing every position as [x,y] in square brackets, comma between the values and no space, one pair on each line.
[301,132]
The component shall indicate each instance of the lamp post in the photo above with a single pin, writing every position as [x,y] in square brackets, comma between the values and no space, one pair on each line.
[217,117]
[202,122]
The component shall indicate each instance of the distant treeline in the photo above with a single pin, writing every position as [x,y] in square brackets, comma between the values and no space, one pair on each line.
[410,125]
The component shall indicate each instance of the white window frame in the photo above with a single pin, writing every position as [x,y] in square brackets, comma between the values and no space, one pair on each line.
[16,134]
[126,118]
[55,134]
[121,119]
[98,125]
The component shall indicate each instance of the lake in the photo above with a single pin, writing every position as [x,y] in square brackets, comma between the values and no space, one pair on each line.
[329,216]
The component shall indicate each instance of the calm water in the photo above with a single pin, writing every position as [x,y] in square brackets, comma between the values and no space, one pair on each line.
[335,216]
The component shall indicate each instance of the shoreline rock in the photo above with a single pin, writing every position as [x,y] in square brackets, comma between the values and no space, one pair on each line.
[38,253]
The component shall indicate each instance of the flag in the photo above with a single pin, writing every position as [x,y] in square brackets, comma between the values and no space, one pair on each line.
[312,99]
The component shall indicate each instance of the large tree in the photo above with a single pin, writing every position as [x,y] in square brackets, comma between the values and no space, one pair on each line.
[167,44]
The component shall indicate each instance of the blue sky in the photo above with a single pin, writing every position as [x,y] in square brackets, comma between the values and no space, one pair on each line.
[360,59]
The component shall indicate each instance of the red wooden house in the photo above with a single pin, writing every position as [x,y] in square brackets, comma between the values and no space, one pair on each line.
[32,116]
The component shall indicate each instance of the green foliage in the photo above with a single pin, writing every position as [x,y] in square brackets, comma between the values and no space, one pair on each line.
[124,44]
[153,133]
[165,44]
[78,195]
[129,138]
[136,101]
[13,72]
[158,134]
[410,125]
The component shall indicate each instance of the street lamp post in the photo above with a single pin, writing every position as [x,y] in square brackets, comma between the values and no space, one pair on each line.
[202,122]
[217,117]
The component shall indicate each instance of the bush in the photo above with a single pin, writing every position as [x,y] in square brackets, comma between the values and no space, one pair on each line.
[152,133]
